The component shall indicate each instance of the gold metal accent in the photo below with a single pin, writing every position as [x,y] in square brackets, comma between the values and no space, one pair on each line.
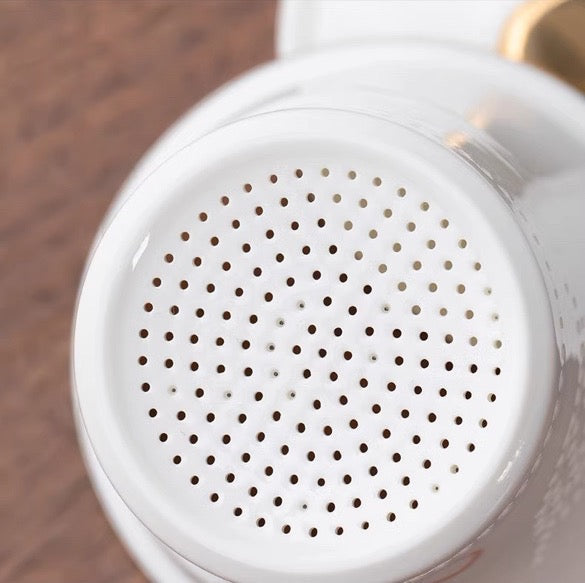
[549,34]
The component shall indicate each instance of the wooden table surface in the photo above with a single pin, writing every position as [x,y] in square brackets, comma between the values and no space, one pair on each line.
[85,88]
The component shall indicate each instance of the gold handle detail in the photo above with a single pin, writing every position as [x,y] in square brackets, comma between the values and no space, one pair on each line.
[549,34]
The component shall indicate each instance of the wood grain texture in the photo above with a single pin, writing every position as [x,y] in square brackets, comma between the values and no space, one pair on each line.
[85,88]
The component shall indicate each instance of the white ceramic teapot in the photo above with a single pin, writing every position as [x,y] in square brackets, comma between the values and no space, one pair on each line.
[333,327]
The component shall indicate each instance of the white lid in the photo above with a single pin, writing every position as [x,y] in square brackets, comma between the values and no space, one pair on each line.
[314,346]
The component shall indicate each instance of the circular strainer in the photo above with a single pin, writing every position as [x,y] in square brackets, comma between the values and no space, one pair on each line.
[310,355]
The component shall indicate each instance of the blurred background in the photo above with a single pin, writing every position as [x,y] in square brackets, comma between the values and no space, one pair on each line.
[85,89]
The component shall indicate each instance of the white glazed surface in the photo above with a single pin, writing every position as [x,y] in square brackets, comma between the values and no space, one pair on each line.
[309,25]
[514,180]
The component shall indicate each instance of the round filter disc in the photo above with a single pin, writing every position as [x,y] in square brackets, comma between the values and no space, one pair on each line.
[307,355]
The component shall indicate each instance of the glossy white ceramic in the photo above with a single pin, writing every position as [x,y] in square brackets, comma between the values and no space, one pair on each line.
[474,168]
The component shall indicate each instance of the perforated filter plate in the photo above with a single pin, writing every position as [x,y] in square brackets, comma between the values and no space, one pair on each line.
[314,354]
